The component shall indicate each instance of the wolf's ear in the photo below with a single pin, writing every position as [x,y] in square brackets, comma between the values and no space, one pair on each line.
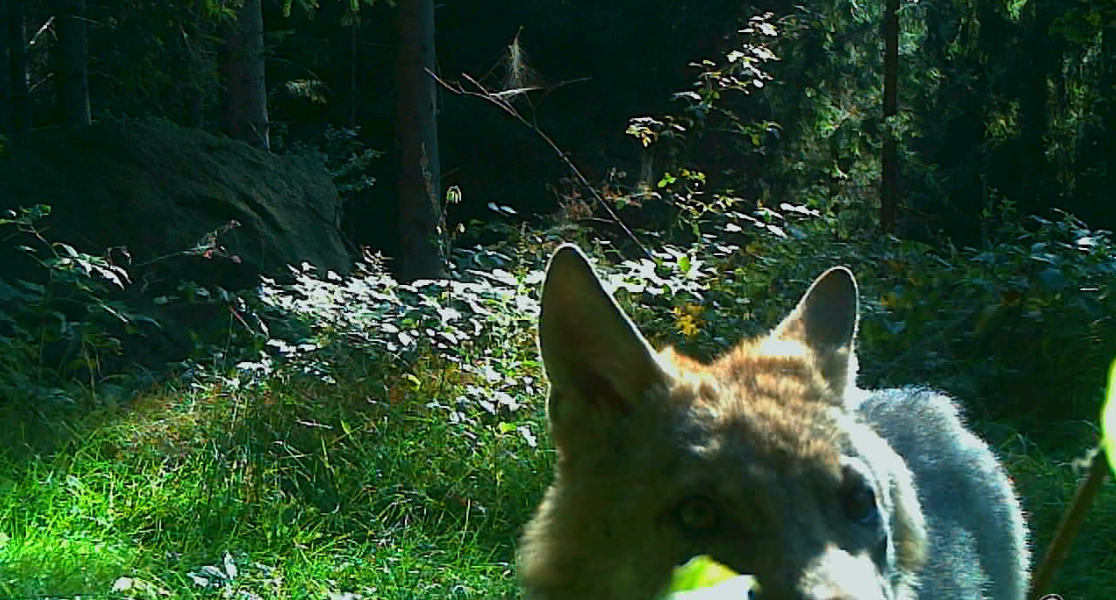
[825,321]
[589,347]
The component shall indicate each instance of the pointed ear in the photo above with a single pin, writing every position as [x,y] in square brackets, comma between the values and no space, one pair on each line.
[825,321]
[592,352]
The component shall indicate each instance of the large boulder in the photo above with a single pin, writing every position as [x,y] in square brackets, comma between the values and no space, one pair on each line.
[164,193]
[159,190]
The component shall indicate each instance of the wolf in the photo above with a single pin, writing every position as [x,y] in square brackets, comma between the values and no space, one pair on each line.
[769,460]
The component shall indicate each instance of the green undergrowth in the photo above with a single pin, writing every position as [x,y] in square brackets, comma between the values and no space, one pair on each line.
[375,440]
[382,441]
[291,489]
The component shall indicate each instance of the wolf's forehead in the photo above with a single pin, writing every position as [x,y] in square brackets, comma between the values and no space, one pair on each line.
[740,382]
[759,405]
[788,432]
[749,425]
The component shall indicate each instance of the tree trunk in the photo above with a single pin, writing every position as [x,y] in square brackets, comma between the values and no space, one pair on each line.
[5,71]
[194,99]
[889,183]
[1045,62]
[245,84]
[354,24]
[193,93]
[17,44]
[416,129]
[72,63]
[1108,111]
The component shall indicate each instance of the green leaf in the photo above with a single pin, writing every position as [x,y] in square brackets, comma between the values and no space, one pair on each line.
[699,572]
[1053,279]
[1108,419]
[703,578]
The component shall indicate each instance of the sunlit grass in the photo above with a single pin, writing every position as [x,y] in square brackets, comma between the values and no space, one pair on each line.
[1047,474]
[288,489]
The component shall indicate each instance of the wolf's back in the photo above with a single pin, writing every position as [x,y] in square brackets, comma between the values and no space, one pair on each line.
[975,528]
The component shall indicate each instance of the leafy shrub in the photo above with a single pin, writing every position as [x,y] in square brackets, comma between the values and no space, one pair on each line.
[345,156]
[73,326]
[1026,320]
[58,332]
[470,331]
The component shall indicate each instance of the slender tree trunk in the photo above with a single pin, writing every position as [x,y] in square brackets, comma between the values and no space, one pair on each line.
[416,129]
[1108,112]
[246,86]
[194,92]
[195,106]
[72,63]
[1042,64]
[354,25]
[5,71]
[889,184]
[17,44]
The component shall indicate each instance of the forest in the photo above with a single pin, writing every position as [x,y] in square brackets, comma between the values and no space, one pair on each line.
[271,270]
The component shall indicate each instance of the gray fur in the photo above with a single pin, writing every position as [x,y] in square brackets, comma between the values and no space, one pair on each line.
[975,529]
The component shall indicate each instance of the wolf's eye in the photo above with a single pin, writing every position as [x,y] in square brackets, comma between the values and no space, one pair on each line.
[859,503]
[698,514]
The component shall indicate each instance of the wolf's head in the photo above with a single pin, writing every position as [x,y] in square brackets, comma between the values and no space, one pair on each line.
[755,459]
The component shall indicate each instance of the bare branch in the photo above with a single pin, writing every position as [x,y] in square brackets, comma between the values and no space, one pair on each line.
[500,99]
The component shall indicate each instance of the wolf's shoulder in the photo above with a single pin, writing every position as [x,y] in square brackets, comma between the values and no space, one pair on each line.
[916,420]
[916,409]
[927,428]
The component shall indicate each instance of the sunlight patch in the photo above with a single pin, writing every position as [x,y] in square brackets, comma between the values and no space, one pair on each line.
[38,567]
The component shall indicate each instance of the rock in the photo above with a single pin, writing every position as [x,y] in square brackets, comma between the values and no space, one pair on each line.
[163,192]
[159,190]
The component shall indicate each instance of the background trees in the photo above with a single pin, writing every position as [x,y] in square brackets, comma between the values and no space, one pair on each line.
[5,70]
[416,124]
[19,107]
[71,68]
[995,102]
[245,99]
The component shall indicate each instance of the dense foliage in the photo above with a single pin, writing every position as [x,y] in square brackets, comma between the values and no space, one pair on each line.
[996,102]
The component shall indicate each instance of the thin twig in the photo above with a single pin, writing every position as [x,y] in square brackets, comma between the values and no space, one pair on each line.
[1071,523]
[500,101]
[41,31]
